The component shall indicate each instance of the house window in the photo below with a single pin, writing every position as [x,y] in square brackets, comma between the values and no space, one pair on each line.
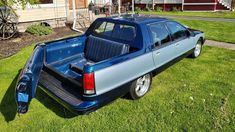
[45,1]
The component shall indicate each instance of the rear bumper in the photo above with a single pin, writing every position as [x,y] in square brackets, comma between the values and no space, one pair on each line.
[70,96]
[65,92]
[83,107]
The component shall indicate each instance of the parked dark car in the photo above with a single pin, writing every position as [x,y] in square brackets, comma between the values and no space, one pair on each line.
[115,57]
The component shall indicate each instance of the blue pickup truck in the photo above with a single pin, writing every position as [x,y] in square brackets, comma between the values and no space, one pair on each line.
[116,56]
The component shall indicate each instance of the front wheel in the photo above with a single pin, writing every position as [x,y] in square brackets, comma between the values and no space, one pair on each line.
[197,50]
[140,86]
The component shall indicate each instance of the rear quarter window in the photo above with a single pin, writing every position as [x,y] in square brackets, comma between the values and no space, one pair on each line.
[104,29]
[115,31]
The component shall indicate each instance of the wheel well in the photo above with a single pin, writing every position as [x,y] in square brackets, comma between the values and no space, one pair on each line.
[201,40]
[154,73]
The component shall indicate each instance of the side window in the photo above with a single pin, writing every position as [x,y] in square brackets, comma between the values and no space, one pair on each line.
[159,33]
[177,30]
[127,32]
[109,27]
[100,29]
[106,28]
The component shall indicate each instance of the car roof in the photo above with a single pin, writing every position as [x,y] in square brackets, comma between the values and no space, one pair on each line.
[138,19]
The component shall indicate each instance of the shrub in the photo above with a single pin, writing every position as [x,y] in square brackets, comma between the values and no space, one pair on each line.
[39,29]
[148,8]
[158,9]
[137,9]
[175,9]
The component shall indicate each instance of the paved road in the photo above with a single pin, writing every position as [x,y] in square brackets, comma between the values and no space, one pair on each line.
[197,18]
[220,44]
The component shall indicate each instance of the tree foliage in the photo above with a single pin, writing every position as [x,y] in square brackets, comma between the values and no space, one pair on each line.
[17,3]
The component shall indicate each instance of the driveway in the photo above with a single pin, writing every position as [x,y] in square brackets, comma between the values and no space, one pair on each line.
[220,44]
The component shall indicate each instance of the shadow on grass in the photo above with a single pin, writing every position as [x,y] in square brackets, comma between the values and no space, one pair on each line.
[8,103]
[8,106]
[54,106]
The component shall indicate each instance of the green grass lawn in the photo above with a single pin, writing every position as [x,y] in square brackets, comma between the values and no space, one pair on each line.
[218,31]
[194,94]
[198,14]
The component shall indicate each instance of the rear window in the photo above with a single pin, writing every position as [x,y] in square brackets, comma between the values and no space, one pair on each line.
[116,31]
[104,29]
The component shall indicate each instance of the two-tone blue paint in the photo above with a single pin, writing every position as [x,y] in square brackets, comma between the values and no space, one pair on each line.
[112,76]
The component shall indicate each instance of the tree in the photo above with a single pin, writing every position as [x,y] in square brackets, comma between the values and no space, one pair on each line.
[17,3]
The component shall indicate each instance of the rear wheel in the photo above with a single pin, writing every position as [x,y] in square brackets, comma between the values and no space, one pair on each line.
[140,86]
[197,50]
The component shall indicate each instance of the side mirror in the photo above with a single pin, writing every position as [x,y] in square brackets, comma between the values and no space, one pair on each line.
[190,33]
[156,44]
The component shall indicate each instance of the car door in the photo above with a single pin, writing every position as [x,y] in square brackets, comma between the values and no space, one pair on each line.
[162,47]
[180,36]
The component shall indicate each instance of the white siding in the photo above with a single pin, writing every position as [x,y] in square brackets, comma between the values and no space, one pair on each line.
[173,1]
[143,1]
[101,2]
[43,12]
[159,1]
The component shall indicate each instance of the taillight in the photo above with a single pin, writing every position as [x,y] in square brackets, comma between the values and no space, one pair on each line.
[89,83]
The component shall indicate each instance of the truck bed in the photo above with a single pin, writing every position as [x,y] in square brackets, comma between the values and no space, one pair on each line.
[70,93]
[96,50]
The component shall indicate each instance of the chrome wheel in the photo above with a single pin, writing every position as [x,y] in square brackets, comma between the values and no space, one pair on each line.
[142,85]
[197,50]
